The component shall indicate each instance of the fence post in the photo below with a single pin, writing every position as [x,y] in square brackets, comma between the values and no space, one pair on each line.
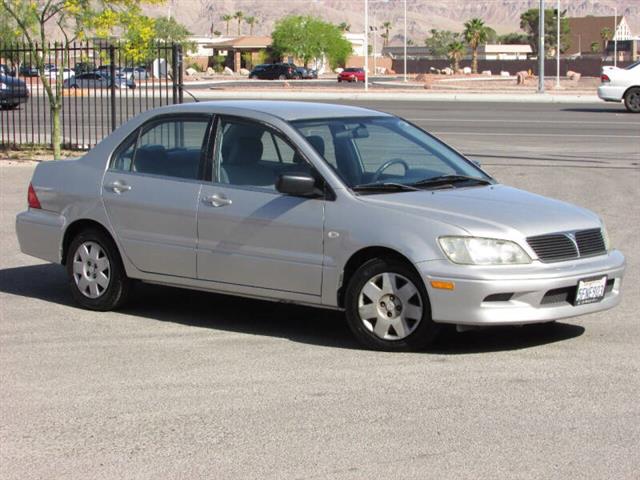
[174,72]
[180,75]
[112,73]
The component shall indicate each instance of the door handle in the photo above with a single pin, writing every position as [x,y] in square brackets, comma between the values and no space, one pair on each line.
[118,187]
[217,200]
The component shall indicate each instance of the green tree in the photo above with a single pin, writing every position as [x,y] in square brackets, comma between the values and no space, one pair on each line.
[529,23]
[387,26]
[455,53]
[439,41]
[309,38]
[171,31]
[514,38]
[475,33]
[227,19]
[239,15]
[251,21]
[72,20]
[344,27]
[595,47]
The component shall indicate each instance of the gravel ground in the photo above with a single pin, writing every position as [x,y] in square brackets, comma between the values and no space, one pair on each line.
[194,385]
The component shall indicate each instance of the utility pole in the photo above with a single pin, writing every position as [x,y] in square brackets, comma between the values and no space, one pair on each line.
[615,37]
[366,45]
[405,40]
[374,31]
[541,48]
[558,46]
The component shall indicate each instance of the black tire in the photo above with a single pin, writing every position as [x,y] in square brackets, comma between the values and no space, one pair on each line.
[119,285]
[632,100]
[426,330]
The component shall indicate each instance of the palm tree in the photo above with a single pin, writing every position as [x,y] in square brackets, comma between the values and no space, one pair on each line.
[387,28]
[606,35]
[475,33]
[227,18]
[455,53]
[251,21]
[344,27]
[238,16]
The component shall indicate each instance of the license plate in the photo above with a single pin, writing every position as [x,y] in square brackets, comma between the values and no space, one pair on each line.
[590,290]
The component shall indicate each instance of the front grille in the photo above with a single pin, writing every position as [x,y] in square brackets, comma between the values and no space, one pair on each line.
[556,247]
[553,248]
[590,242]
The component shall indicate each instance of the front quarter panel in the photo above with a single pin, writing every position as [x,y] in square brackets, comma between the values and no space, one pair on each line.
[352,225]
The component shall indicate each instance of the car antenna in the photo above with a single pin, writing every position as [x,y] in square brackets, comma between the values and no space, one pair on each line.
[190,94]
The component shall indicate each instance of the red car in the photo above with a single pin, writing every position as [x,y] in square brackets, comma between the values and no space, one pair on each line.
[351,75]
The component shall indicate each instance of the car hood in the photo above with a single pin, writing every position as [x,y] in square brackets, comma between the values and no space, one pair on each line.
[490,211]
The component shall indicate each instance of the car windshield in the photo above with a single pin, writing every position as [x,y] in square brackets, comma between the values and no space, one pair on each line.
[375,151]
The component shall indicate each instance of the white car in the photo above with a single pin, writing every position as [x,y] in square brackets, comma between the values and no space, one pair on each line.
[621,84]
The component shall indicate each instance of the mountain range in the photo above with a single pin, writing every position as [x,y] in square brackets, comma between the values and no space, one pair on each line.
[204,16]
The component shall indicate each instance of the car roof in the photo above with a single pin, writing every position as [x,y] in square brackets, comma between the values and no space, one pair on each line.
[285,110]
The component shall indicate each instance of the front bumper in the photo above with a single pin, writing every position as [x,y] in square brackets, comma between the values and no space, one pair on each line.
[13,98]
[532,287]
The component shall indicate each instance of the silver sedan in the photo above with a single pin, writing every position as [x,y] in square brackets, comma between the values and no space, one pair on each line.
[327,205]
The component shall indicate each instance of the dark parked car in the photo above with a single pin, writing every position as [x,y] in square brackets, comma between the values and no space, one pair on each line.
[5,70]
[275,71]
[84,67]
[28,71]
[307,73]
[351,75]
[13,92]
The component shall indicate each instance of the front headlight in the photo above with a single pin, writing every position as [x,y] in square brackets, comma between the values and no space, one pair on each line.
[483,251]
[3,86]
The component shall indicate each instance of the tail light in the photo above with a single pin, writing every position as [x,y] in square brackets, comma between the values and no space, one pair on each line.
[32,198]
[604,78]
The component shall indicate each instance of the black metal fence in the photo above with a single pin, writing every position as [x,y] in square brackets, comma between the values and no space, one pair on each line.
[102,87]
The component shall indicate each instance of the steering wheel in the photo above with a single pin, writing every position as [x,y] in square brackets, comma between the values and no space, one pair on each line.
[387,164]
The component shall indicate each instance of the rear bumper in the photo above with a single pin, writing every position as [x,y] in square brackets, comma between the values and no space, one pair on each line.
[40,234]
[467,304]
[610,93]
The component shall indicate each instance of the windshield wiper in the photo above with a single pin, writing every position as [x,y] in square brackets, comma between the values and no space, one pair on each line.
[384,187]
[449,179]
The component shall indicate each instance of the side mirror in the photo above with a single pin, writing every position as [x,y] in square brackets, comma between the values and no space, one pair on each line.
[298,184]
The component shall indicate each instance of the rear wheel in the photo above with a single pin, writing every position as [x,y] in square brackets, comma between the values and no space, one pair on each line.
[387,307]
[96,275]
[282,77]
[632,100]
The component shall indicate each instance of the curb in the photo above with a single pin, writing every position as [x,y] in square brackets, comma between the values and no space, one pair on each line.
[400,96]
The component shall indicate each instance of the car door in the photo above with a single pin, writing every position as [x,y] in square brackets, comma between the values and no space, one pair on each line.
[151,191]
[248,233]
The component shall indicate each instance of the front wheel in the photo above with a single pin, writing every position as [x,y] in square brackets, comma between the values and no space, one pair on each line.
[96,274]
[387,307]
[632,100]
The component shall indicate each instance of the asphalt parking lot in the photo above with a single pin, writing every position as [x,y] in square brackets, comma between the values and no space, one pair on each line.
[194,385]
